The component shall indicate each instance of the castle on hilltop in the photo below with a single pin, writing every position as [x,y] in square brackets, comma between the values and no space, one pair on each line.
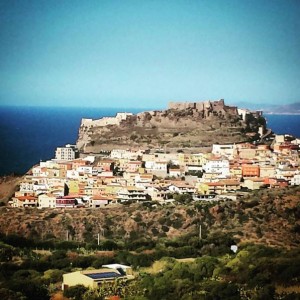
[217,106]
[204,108]
[179,125]
[199,105]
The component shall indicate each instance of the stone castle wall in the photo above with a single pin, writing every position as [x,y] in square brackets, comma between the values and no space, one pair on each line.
[244,113]
[202,105]
[207,107]
[106,120]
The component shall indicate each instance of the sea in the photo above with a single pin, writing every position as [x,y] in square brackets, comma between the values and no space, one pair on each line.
[29,135]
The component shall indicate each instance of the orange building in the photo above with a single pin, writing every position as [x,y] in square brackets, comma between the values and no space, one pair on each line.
[276,182]
[250,170]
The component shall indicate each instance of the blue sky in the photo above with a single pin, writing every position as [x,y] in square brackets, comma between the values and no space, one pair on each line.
[145,53]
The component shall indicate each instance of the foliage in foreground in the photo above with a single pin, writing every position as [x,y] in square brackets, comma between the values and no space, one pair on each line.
[255,272]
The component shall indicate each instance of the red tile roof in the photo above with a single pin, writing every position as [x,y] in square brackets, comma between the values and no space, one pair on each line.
[23,198]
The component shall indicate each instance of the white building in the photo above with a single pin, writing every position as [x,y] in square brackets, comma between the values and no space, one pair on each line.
[143,178]
[96,171]
[39,171]
[159,168]
[169,157]
[217,166]
[295,180]
[279,138]
[125,154]
[46,201]
[131,193]
[99,201]
[69,152]
[72,174]
[157,193]
[26,187]
[175,172]
[85,170]
[181,187]
[227,150]
[49,164]
[40,188]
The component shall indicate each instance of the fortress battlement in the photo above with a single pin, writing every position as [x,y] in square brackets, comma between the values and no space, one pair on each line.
[200,105]
[106,120]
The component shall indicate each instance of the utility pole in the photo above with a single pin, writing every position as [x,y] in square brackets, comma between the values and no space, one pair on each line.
[67,235]
[200,232]
[100,233]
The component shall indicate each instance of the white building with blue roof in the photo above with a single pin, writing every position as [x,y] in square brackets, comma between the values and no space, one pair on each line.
[94,278]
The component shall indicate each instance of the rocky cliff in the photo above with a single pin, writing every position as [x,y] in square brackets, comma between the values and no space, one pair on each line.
[182,125]
[8,186]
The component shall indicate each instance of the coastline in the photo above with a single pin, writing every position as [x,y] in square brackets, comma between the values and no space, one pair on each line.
[31,135]
[283,113]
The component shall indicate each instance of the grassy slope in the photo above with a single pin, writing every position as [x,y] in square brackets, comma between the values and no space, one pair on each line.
[269,217]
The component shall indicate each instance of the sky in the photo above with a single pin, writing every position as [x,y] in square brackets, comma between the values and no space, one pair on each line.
[145,53]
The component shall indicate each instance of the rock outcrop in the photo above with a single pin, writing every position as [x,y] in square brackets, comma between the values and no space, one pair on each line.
[182,125]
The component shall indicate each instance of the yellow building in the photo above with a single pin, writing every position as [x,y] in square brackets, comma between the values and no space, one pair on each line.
[267,171]
[220,187]
[247,153]
[73,187]
[198,159]
[236,172]
[183,159]
[253,183]
[112,189]
[203,188]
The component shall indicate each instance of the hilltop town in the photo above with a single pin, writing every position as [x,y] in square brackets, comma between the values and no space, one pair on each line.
[124,176]
[109,217]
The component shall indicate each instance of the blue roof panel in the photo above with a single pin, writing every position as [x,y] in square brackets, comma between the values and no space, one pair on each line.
[103,275]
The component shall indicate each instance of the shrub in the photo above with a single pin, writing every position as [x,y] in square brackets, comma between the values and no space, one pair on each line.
[75,292]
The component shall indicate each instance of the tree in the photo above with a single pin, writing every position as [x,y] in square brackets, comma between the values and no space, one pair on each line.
[183,198]
[53,275]
[18,241]
[7,294]
[216,290]
[182,271]
[204,267]
[199,174]
[6,252]
[265,293]
[33,289]
[75,292]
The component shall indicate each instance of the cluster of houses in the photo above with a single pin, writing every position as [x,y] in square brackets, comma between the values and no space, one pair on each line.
[126,176]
